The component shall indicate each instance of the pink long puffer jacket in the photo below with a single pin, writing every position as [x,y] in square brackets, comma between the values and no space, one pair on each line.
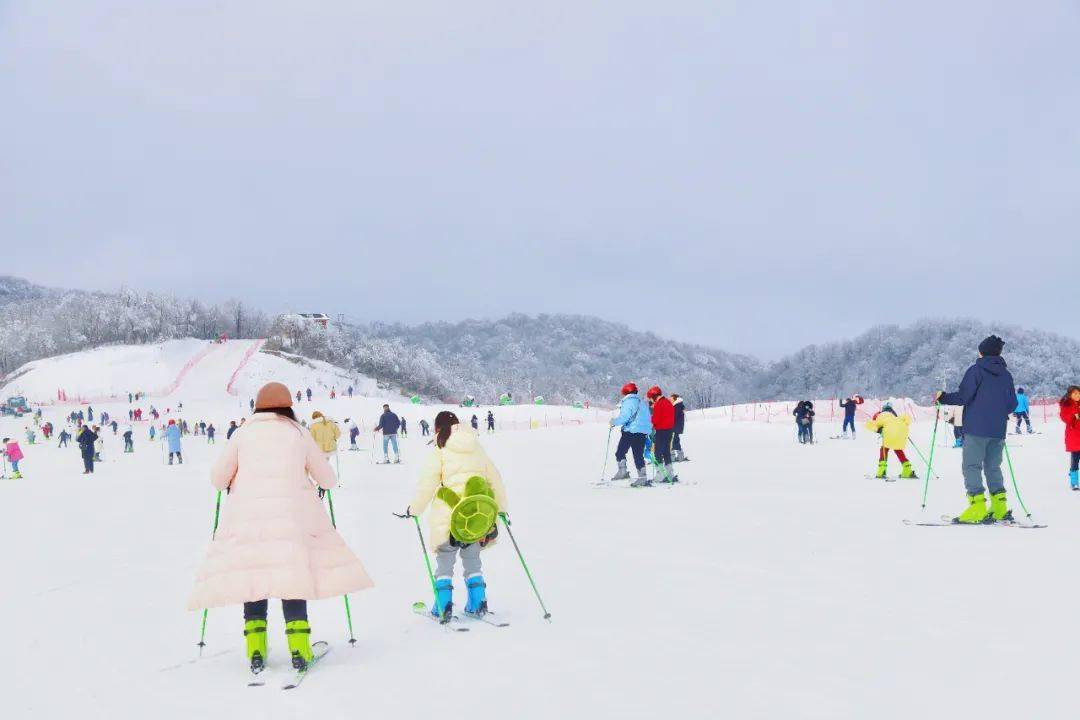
[274,540]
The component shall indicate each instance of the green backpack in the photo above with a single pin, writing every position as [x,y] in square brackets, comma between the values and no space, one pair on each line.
[471,517]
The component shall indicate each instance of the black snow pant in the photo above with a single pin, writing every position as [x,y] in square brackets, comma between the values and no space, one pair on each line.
[1074,461]
[88,462]
[63,442]
[636,443]
[676,441]
[291,609]
[662,446]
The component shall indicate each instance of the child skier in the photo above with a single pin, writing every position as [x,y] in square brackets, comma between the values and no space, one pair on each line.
[1021,413]
[274,539]
[636,423]
[14,454]
[1070,415]
[663,420]
[457,457]
[894,431]
[955,416]
[677,454]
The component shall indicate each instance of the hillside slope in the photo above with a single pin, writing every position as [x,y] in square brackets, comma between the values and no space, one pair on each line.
[916,359]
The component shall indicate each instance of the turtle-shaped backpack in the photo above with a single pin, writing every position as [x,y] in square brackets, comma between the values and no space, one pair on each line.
[473,516]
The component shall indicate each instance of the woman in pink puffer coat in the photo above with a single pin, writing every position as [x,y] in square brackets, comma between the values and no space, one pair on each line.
[274,540]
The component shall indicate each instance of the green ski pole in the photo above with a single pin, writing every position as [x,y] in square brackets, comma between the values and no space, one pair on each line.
[213,533]
[923,457]
[506,524]
[348,613]
[930,460]
[1016,488]
[423,549]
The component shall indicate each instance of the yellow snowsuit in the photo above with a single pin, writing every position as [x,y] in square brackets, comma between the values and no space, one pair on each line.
[894,430]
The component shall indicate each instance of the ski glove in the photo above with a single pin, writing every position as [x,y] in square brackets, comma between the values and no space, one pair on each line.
[322,493]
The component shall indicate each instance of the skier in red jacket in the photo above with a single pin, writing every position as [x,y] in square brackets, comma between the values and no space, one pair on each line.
[1070,415]
[663,420]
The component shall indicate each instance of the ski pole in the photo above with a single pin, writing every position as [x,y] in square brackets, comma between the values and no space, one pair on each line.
[213,534]
[607,449]
[916,449]
[1016,489]
[348,613]
[547,615]
[930,460]
[423,549]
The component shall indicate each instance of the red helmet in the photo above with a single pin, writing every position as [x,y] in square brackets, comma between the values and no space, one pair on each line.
[654,392]
[629,388]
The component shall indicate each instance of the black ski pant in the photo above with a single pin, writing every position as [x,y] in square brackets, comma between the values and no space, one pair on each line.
[849,422]
[1074,461]
[88,461]
[63,442]
[291,609]
[662,446]
[676,441]
[630,441]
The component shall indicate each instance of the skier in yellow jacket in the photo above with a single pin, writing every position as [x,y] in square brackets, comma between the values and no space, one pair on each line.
[894,431]
[325,432]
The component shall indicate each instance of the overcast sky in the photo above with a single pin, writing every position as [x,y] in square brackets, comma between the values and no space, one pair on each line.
[751,175]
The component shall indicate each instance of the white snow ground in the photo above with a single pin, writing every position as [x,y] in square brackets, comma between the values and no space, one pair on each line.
[776,582]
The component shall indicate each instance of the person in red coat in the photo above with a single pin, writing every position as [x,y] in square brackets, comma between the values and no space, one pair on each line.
[1070,415]
[663,420]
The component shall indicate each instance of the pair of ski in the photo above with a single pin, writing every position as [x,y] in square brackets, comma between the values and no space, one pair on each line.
[421,608]
[320,649]
[949,521]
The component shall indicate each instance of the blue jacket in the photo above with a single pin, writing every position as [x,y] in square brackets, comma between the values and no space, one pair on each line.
[987,395]
[849,406]
[634,416]
[388,423]
[172,434]
[1022,402]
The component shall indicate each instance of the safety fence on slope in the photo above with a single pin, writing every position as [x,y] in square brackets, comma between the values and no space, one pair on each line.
[829,410]
[63,397]
[255,346]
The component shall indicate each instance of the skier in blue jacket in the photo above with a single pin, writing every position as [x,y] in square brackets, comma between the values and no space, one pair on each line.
[1021,413]
[988,396]
[636,422]
[172,437]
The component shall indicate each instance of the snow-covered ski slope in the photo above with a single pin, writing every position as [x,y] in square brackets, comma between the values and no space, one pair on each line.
[774,582]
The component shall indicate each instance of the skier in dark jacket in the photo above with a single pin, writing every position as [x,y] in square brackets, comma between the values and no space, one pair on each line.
[849,405]
[677,454]
[389,425]
[129,440]
[86,440]
[490,422]
[988,396]
[804,420]
[232,428]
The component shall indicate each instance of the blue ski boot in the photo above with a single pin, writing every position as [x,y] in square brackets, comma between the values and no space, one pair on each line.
[477,604]
[1074,479]
[444,596]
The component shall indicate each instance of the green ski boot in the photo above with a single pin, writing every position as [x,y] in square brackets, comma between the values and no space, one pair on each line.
[907,472]
[882,469]
[298,633]
[976,511]
[998,507]
[255,635]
